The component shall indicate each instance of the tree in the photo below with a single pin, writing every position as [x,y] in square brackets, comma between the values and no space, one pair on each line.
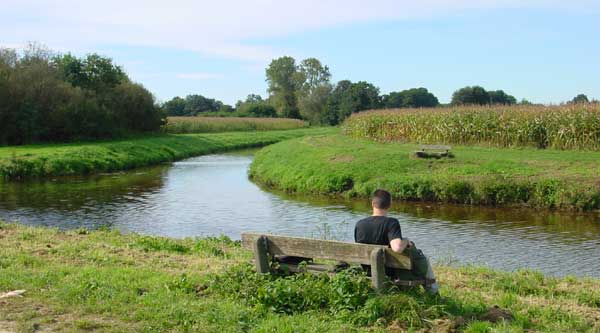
[95,72]
[475,95]
[175,107]
[195,104]
[314,90]
[283,81]
[348,97]
[500,97]
[580,99]
[411,98]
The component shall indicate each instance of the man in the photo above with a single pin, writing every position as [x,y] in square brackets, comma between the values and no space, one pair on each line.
[379,229]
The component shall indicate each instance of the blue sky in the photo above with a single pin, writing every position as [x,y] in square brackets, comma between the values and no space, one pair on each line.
[545,51]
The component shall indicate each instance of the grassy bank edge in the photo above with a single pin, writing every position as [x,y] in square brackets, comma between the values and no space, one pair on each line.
[105,281]
[339,165]
[36,161]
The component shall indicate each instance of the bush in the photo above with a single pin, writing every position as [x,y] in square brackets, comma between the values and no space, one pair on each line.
[47,97]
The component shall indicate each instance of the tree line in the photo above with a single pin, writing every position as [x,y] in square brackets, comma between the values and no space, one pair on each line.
[304,90]
[59,97]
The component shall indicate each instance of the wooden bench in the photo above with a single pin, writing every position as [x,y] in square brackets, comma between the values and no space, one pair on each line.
[435,151]
[266,247]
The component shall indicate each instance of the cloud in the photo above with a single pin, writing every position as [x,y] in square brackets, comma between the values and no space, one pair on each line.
[223,29]
[199,76]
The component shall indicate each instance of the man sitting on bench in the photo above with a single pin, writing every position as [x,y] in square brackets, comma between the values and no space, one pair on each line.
[379,229]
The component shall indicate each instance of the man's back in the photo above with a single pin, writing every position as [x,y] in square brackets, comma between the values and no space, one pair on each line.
[378,230]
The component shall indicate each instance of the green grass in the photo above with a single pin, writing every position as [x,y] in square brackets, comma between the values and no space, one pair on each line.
[104,281]
[18,162]
[341,165]
[178,125]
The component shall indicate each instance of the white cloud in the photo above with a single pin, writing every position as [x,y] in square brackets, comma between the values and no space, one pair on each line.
[200,76]
[223,28]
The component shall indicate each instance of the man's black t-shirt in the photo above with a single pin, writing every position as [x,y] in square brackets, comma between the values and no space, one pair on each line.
[378,230]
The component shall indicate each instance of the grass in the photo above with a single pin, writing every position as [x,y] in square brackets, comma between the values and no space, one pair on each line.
[104,281]
[18,162]
[178,125]
[341,165]
[558,127]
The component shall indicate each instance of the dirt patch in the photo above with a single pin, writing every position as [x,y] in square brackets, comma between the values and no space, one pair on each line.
[496,314]
[342,159]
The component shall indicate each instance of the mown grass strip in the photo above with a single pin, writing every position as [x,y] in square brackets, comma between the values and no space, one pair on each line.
[19,162]
[110,282]
[341,165]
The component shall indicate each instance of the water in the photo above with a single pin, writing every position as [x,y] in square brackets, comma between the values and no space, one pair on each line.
[211,195]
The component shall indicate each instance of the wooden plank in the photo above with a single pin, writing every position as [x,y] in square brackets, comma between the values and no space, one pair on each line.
[378,277]
[326,249]
[259,247]
[435,147]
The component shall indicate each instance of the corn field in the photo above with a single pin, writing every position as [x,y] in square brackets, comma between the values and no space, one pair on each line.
[557,127]
[178,125]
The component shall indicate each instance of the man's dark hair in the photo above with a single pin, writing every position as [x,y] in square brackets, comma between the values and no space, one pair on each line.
[382,199]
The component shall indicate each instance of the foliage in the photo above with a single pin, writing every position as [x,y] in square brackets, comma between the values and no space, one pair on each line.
[352,167]
[178,125]
[47,97]
[193,105]
[411,98]
[500,97]
[283,80]
[558,127]
[475,95]
[90,157]
[348,98]
[580,99]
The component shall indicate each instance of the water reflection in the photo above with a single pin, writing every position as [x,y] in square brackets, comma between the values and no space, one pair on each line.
[211,195]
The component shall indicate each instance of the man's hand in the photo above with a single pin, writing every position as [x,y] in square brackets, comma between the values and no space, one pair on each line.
[398,245]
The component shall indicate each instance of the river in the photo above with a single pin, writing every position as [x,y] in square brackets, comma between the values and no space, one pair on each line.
[211,195]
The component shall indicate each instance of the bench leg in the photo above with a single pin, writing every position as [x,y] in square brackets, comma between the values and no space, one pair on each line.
[378,269]
[260,255]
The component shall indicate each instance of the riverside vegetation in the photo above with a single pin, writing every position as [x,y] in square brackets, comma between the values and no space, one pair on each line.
[19,162]
[342,165]
[177,125]
[106,281]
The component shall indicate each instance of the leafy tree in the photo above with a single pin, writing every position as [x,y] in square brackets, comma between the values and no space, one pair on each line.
[260,109]
[314,90]
[175,107]
[500,97]
[95,72]
[411,98]
[348,97]
[580,99]
[195,104]
[283,81]
[475,95]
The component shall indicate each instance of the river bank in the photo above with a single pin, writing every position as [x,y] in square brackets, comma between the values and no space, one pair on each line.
[110,282]
[34,161]
[350,167]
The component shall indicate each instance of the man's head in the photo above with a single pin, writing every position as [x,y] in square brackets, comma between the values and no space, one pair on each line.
[381,200]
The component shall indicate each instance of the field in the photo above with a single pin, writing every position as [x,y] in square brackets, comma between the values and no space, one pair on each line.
[104,281]
[19,162]
[556,127]
[345,166]
[178,125]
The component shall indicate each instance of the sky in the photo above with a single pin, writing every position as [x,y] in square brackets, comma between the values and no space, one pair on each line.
[546,51]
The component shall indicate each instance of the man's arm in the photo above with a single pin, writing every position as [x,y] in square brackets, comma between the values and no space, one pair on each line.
[399,245]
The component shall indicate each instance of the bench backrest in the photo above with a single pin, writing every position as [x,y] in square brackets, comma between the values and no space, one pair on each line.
[325,249]
[435,147]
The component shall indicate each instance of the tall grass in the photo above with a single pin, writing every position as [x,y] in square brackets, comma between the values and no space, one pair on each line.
[558,127]
[177,125]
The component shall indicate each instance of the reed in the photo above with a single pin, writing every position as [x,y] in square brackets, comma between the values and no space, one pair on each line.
[558,127]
